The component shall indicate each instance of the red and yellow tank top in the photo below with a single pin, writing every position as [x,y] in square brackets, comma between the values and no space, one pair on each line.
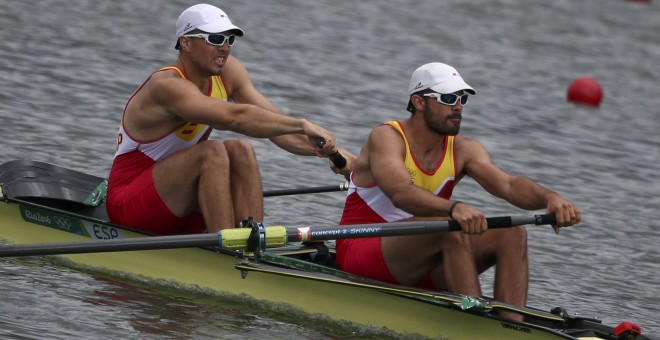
[371,205]
[133,156]
[184,136]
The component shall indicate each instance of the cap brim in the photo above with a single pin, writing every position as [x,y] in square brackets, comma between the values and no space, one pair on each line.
[221,27]
[453,86]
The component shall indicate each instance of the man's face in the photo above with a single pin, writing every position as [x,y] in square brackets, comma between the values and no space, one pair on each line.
[442,118]
[211,50]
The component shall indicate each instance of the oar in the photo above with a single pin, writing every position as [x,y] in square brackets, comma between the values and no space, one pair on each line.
[311,190]
[276,236]
[336,157]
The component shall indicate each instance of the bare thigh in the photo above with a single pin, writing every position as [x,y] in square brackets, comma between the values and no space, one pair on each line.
[411,258]
[246,186]
[495,245]
[176,177]
[241,155]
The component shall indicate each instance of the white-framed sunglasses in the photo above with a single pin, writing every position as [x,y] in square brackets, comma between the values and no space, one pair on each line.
[215,39]
[448,98]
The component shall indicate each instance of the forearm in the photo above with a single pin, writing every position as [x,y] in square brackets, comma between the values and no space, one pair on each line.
[295,144]
[420,202]
[527,194]
[256,122]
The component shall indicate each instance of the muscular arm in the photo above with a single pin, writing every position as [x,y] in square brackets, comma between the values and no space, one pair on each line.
[383,156]
[184,100]
[381,162]
[517,190]
[243,91]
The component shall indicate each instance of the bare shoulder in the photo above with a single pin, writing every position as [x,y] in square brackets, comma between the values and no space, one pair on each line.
[169,90]
[167,80]
[165,100]
[234,75]
[383,131]
[234,65]
[148,114]
[469,153]
[385,140]
[466,145]
[382,149]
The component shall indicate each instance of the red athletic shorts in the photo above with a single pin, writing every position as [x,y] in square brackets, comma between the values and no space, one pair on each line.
[363,256]
[132,201]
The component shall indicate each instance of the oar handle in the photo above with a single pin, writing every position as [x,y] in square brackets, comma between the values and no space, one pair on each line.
[511,221]
[336,157]
[312,190]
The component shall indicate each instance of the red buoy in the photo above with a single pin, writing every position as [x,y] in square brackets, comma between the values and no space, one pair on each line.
[586,91]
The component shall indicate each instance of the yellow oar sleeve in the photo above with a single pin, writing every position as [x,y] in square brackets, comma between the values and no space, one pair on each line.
[236,239]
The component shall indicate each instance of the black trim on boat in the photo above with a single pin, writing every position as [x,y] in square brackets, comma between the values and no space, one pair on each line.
[51,185]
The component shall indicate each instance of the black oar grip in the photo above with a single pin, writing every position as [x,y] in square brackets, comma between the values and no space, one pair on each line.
[510,221]
[493,223]
[454,226]
[499,222]
[545,219]
[336,158]
[312,190]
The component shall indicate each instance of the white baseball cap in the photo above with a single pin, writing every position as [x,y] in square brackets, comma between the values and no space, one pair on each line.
[438,77]
[204,17]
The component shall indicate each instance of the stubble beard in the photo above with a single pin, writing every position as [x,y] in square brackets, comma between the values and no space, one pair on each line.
[440,126]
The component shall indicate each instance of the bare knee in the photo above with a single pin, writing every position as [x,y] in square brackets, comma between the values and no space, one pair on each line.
[241,153]
[512,244]
[213,154]
[456,242]
[517,236]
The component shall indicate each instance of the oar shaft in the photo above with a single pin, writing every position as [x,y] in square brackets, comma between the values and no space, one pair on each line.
[99,246]
[312,190]
[403,228]
[276,236]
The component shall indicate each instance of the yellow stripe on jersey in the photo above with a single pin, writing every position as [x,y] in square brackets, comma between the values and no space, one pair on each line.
[191,130]
[443,176]
[218,88]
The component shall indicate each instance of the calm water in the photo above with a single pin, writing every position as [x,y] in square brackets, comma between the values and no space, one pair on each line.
[67,68]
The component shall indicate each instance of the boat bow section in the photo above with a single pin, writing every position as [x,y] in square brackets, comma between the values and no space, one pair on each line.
[50,185]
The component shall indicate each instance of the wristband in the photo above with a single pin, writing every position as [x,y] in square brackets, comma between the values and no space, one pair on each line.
[451,208]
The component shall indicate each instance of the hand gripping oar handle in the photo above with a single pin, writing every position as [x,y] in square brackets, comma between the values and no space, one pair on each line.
[336,157]
[510,221]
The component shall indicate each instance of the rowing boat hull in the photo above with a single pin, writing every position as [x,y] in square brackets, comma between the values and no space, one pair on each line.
[362,302]
[215,271]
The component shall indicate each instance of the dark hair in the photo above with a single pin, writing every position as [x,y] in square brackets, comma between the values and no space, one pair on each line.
[421,93]
[195,31]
